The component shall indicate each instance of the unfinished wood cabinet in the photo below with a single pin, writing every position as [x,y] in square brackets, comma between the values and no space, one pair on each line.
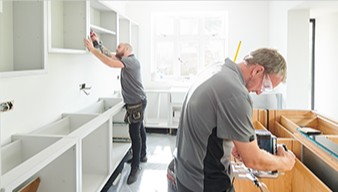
[293,119]
[299,179]
[260,115]
[317,151]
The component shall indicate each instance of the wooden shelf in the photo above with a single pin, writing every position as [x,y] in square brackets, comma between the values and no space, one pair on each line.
[100,30]
[300,178]
[318,158]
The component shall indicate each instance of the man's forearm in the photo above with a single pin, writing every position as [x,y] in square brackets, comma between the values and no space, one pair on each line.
[104,50]
[107,58]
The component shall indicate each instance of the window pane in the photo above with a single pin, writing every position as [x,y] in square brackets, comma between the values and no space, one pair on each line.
[188,26]
[164,26]
[165,57]
[214,52]
[184,44]
[214,26]
[189,58]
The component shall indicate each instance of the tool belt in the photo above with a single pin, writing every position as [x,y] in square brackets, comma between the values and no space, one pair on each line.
[134,113]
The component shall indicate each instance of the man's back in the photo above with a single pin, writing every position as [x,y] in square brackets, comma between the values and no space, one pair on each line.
[203,155]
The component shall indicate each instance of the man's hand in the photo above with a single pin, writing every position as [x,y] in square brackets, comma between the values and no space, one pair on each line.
[287,156]
[89,44]
[236,154]
[94,37]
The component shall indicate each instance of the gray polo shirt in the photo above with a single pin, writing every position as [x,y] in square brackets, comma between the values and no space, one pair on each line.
[216,111]
[131,82]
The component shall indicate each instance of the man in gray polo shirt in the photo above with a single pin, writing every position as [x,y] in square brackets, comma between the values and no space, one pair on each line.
[132,93]
[216,122]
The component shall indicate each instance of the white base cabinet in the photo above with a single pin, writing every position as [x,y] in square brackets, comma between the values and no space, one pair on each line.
[164,107]
[74,153]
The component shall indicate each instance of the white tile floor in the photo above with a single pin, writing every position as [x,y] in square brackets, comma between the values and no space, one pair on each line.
[153,176]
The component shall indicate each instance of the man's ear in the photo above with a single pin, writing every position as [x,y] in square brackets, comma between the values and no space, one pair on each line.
[257,69]
[126,49]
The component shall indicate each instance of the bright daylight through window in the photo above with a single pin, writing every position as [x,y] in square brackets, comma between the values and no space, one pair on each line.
[185,43]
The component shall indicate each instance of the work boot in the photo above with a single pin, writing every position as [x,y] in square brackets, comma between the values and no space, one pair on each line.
[133,175]
[143,160]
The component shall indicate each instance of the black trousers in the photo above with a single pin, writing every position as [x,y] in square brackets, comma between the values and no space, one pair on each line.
[138,138]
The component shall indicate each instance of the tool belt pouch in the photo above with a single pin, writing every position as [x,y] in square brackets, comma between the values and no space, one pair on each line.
[134,113]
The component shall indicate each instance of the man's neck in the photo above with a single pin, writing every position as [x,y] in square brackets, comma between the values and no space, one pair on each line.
[245,69]
[127,54]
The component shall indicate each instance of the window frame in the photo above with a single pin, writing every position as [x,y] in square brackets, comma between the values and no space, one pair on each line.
[202,38]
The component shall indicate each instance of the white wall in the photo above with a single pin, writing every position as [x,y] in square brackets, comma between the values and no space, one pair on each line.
[41,99]
[326,64]
[248,22]
[298,57]
[278,34]
[287,19]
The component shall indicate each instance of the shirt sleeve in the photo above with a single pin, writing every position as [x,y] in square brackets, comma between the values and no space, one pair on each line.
[129,63]
[234,119]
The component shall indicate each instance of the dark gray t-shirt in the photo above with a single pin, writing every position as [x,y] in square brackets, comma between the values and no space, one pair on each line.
[131,82]
[217,110]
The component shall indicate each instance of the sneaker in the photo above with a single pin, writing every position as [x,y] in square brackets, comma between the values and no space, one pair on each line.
[143,160]
[133,175]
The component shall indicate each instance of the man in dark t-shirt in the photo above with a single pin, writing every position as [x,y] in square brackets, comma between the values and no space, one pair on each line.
[132,93]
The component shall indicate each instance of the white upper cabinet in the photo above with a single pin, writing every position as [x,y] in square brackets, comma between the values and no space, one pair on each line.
[128,32]
[103,21]
[22,38]
[67,26]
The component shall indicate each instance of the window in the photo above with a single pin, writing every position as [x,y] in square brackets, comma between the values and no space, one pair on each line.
[184,44]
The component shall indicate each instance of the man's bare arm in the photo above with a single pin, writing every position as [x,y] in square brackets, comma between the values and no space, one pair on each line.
[104,55]
[256,158]
[105,51]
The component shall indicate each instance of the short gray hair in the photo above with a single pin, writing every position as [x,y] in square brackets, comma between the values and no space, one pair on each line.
[272,61]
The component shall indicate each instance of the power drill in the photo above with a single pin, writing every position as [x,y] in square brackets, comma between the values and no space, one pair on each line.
[98,45]
[95,43]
